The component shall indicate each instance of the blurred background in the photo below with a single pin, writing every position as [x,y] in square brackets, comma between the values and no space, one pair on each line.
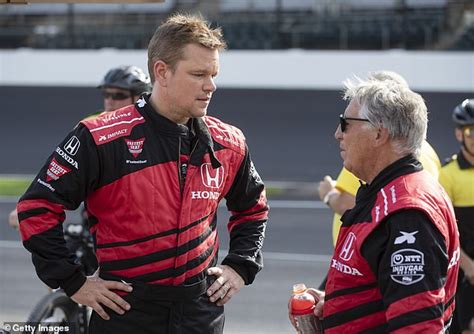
[280,81]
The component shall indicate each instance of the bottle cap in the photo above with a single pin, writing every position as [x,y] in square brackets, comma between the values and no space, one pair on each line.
[299,288]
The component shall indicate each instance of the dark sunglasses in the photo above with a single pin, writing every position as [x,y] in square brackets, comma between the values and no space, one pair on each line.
[343,121]
[115,96]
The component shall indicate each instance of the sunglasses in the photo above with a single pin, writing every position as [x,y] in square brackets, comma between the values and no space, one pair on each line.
[468,132]
[115,96]
[343,121]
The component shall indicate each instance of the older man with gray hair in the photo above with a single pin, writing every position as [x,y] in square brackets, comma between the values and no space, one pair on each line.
[395,264]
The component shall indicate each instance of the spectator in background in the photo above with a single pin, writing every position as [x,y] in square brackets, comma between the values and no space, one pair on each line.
[152,175]
[457,177]
[339,194]
[120,87]
[395,263]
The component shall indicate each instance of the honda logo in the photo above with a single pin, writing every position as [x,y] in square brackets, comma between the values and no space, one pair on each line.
[347,248]
[212,178]
[72,145]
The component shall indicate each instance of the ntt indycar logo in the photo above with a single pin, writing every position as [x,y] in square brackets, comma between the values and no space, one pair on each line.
[407,266]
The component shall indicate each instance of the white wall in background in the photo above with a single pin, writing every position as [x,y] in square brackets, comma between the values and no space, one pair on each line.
[290,69]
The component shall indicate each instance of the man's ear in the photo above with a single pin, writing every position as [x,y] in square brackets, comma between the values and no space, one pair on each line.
[382,136]
[458,134]
[161,72]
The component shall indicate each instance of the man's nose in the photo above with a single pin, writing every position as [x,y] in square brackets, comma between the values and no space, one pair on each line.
[338,133]
[210,85]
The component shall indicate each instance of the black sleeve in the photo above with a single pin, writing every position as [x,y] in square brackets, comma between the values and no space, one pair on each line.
[408,255]
[247,203]
[68,175]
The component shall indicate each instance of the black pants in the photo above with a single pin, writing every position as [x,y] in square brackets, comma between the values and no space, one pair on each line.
[153,313]
[464,302]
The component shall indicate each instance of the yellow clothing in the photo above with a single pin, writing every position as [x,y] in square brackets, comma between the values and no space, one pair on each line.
[349,183]
[457,178]
[429,159]
[345,182]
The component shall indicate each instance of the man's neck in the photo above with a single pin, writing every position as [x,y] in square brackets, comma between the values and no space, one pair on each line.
[160,106]
[382,161]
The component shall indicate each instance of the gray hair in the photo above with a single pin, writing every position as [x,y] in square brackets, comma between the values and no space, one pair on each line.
[391,104]
[388,75]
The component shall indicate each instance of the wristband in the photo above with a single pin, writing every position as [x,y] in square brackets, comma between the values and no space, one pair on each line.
[327,197]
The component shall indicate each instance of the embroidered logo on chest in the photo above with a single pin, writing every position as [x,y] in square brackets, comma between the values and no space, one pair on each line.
[135,146]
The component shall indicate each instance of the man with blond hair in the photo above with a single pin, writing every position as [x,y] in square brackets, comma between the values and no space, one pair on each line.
[152,175]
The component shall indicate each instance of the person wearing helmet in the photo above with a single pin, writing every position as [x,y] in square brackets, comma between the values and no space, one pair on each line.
[122,86]
[457,177]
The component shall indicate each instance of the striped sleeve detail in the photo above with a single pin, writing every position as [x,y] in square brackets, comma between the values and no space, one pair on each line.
[412,303]
[258,213]
[37,216]
[426,320]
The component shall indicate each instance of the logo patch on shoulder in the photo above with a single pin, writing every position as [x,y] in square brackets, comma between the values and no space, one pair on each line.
[408,237]
[56,170]
[135,146]
[407,266]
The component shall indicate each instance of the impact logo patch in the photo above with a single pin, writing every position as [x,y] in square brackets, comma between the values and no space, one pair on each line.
[135,146]
[407,266]
[55,170]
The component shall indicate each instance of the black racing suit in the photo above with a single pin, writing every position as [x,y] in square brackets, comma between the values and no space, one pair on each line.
[152,189]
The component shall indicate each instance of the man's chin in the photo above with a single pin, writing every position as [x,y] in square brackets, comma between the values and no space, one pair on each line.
[200,113]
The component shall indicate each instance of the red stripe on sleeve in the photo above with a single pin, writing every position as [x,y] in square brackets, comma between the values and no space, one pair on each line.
[429,326]
[31,204]
[41,222]
[38,224]
[415,302]
[249,215]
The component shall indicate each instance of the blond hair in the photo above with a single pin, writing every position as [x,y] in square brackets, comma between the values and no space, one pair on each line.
[172,36]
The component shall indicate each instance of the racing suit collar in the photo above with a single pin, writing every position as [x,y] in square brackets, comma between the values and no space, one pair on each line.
[367,193]
[163,124]
[170,128]
[406,165]
[462,161]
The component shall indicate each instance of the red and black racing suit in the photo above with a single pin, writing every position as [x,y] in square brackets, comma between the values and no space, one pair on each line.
[152,189]
[396,260]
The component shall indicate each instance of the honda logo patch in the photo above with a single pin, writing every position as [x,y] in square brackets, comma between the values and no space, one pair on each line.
[348,247]
[135,146]
[72,145]
[212,178]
